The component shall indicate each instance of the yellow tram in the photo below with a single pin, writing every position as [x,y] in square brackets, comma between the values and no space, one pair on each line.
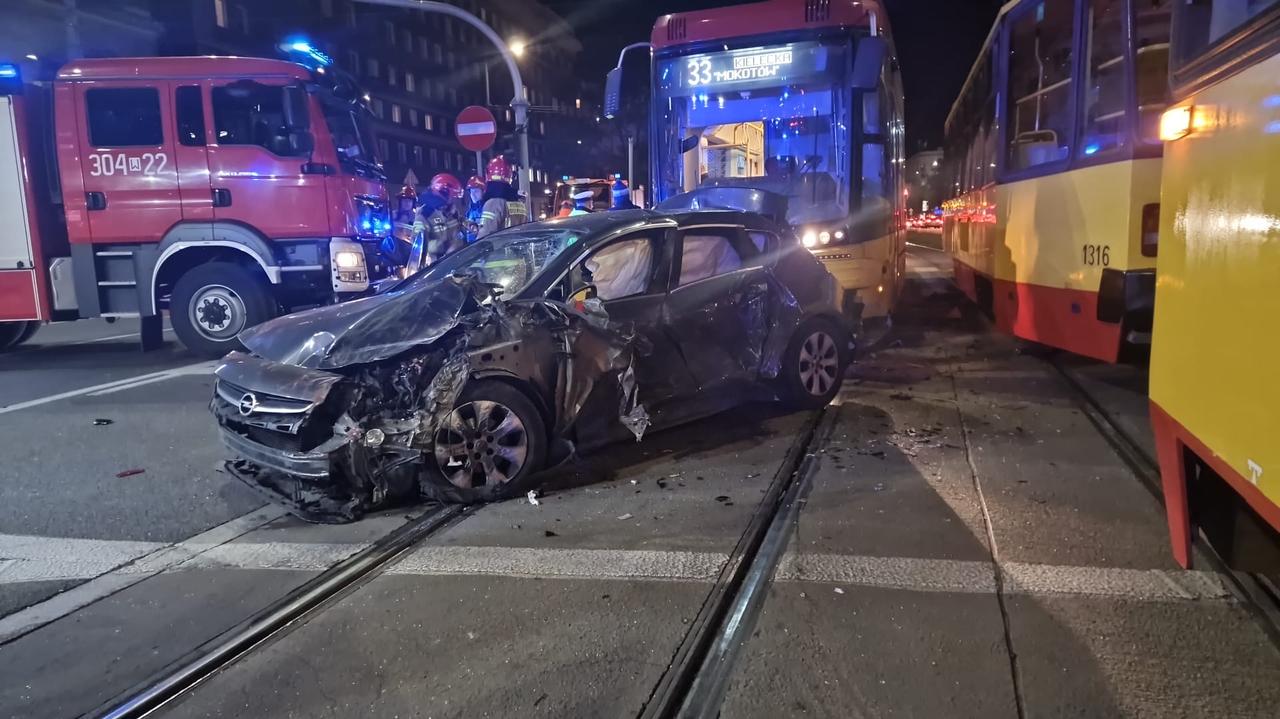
[1054,159]
[1215,393]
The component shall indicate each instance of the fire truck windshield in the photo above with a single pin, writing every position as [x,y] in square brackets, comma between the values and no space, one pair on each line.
[770,116]
[350,131]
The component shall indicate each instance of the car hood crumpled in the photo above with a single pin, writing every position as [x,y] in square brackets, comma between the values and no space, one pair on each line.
[368,329]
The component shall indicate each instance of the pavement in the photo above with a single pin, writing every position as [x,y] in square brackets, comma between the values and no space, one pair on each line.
[968,545]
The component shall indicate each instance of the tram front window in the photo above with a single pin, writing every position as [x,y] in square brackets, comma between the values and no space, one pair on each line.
[776,117]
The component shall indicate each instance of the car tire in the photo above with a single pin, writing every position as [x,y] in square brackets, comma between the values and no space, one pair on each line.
[488,448]
[212,303]
[815,363]
[13,334]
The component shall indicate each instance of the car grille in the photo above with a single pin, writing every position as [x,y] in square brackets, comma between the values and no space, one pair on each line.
[252,402]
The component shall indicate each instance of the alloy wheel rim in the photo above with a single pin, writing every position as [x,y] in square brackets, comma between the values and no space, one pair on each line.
[481,443]
[819,363]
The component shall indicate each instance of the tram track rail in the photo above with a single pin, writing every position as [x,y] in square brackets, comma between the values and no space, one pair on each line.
[291,610]
[697,678]
[1252,590]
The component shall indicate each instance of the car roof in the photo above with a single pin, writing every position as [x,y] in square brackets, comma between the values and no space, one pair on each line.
[600,225]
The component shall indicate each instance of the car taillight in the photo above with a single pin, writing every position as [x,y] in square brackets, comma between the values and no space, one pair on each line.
[1150,229]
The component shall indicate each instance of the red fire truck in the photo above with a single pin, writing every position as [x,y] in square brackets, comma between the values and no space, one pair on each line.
[225,190]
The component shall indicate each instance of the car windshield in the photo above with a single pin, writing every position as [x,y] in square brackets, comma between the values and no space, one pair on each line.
[510,259]
[350,135]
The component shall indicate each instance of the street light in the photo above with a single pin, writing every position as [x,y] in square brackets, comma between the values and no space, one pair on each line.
[517,47]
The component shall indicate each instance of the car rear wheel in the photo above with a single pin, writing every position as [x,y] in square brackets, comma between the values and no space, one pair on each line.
[487,448]
[213,303]
[815,363]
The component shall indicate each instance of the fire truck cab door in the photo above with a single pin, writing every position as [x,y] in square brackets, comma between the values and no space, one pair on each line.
[127,160]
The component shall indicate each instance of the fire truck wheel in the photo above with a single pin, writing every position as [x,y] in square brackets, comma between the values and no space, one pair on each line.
[213,302]
[13,334]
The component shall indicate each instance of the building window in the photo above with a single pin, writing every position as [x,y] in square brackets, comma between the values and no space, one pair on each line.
[402,152]
[391,75]
[124,117]
[431,124]
[484,15]
[395,113]
[353,61]
[438,52]
[577,104]
[426,88]
[435,158]
[390,29]
[440,90]
[542,127]
[508,114]
[351,14]
[371,67]
[251,114]
[417,155]
[413,117]
[448,161]
[384,148]
[378,108]
[220,12]
[453,96]
[424,48]
[189,108]
[449,59]
[1040,84]
[406,39]
[326,8]
[242,18]
[410,83]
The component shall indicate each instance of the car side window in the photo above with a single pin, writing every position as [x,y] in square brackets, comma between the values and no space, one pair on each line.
[766,243]
[707,252]
[124,117]
[250,113]
[623,268]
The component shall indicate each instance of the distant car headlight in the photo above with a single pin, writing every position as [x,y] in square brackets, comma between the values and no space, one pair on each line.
[810,238]
[824,237]
[839,234]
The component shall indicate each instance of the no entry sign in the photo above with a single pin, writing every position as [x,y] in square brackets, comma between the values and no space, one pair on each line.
[476,129]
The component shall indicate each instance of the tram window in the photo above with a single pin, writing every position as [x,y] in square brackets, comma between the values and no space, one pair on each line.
[1105,78]
[1202,23]
[1040,84]
[1151,42]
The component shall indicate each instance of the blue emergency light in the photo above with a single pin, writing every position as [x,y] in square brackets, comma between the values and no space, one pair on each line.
[307,54]
[10,79]
[8,71]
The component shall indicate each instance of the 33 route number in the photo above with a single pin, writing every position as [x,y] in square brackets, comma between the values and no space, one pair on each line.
[1097,255]
[699,71]
[108,164]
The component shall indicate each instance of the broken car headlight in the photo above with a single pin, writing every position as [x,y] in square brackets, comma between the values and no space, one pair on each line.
[374,438]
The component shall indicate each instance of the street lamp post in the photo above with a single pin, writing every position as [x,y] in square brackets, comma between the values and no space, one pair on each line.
[519,104]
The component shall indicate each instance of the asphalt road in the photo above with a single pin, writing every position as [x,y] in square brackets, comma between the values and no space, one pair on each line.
[969,546]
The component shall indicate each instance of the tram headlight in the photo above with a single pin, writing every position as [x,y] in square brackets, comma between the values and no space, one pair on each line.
[809,238]
[1176,123]
[824,237]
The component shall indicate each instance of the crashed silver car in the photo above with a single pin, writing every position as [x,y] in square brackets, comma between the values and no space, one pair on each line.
[465,380]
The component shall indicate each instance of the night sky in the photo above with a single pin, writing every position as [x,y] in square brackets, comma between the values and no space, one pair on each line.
[937,41]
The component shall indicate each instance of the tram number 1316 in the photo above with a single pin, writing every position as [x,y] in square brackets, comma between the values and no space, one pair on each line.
[1095,255]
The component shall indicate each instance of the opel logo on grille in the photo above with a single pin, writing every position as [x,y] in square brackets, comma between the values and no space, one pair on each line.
[248,403]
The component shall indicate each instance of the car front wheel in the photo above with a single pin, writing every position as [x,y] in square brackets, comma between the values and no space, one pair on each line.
[487,448]
[815,363]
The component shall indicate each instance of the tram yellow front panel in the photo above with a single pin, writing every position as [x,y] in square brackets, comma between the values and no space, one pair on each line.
[1215,365]
[872,268]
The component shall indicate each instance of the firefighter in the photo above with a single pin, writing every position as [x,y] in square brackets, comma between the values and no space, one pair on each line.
[622,196]
[474,207]
[502,207]
[437,219]
[582,203]
[566,209]
[398,245]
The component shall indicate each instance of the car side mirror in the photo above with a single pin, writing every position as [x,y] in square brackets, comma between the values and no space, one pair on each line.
[297,108]
[868,61]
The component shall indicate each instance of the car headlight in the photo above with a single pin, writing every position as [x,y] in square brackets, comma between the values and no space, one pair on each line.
[810,238]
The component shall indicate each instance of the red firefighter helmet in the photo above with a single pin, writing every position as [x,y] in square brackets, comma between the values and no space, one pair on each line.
[498,169]
[475,183]
[447,185]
